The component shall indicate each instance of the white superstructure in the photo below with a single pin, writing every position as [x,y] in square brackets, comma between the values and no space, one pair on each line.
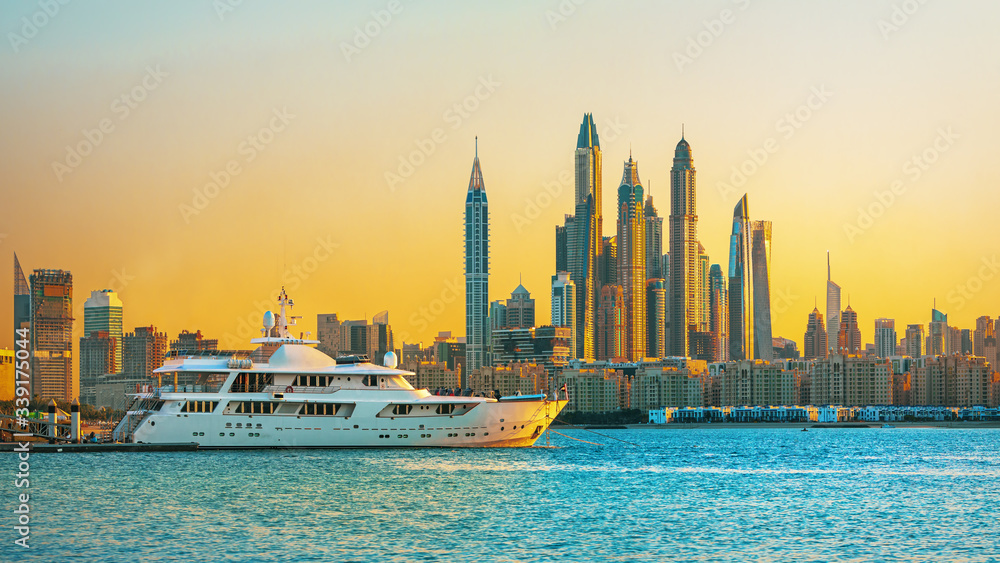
[302,398]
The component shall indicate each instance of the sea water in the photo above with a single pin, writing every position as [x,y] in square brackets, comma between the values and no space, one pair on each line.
[733,494]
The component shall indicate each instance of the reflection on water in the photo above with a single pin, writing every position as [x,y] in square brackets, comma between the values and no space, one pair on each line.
[737,494]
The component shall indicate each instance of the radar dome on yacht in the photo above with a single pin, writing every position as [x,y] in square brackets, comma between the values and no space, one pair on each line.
[390,360]
[269,320]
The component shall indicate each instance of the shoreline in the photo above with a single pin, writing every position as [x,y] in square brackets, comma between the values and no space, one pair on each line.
[799,425]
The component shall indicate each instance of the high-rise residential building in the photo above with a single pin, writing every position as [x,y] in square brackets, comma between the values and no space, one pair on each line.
[656,322]
[914,340]
[984,340]
[143,351]
[193,342]
[97,358]
[966,342]
[607,263]
[814,345]
[849,336]
[22,300]
[477,268]
[996,364]
[953,341]
[719,312]
[832,309]
[564,306]
[936,333]
[498,321]
[520,309]
[632,259]
[52,335]
[761,259]
[885,337]
[704,291]
[654,241]
[562,260]
[850,380]
[328,332]
[683,294]
[103,312]
[741,294]
[611,323]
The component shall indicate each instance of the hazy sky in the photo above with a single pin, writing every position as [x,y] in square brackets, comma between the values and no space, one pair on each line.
[118,116]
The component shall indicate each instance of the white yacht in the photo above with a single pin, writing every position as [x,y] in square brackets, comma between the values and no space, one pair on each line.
[302,398]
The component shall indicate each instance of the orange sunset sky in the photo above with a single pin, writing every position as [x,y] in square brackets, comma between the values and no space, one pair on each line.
[866,128]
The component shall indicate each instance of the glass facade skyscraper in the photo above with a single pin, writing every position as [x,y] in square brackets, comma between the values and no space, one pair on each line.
[477,269]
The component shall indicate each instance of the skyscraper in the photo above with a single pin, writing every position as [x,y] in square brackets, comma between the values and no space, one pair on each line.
[885,337]
[683,294]
[719,312]
[103,312]
[477,269]
[656,308]
[520,309]
[143,351]
[654,241]
[849,335]
[741,294]
[936,333]
[761,260]
[22,299]
[564,306]
[582,235]
[832,308]
[632,259]
[52,335]
[97,358]
[704,291]
[611,323]
[984,340]
[914,340]
[814,345]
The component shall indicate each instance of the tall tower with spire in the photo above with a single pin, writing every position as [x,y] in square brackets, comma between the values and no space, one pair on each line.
[579,241]
[477,270]
[684,296]
[632,259]
[832,311]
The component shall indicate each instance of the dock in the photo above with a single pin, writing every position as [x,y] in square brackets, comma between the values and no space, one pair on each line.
[42,447]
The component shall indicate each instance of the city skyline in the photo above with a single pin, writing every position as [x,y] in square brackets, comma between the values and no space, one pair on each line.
[143,243]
